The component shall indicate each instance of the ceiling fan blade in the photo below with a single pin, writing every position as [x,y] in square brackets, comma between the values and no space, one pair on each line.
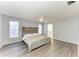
[70,2]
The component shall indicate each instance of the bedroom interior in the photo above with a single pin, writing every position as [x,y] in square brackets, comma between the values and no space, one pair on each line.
[39,29]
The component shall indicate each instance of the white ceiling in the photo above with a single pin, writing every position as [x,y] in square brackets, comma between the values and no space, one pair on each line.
[32,10]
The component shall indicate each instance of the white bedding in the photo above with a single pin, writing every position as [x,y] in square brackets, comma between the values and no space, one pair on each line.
[34,41]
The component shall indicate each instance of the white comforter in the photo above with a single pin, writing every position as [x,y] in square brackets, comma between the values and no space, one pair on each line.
[34,41]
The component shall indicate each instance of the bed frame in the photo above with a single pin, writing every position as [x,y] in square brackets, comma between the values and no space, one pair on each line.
[36,43]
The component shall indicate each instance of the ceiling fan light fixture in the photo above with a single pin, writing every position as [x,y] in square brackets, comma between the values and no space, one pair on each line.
[41,18]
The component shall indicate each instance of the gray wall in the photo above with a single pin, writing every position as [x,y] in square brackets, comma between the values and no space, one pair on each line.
[5,28]
[67,29]
[0,30]
[44,30]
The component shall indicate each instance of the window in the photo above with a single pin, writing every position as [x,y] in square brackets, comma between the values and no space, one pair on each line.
[40,29]
[13,29]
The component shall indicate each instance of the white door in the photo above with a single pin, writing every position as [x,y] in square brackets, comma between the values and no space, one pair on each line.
[50,30]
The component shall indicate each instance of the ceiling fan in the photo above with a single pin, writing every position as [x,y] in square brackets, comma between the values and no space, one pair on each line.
[70,2]
[41,18]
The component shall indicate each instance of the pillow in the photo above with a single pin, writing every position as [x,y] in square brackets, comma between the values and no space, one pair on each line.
[35,33]
[29,35]
[26,36]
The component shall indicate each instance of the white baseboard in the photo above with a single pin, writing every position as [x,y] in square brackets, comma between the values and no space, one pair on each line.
[73,42]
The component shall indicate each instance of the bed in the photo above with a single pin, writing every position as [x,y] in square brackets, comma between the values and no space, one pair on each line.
[35,40]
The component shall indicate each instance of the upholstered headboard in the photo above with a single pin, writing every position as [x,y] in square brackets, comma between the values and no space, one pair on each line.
[29,30]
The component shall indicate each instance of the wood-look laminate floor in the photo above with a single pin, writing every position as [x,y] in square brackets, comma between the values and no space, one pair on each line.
[56,49]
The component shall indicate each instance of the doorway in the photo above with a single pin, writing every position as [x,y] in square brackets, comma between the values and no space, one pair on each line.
[50,31]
